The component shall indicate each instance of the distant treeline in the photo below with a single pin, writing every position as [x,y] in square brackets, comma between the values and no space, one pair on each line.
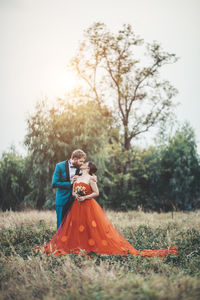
[160,178]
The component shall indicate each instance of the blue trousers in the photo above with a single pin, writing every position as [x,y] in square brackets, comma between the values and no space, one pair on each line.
[62,210]
[59,213]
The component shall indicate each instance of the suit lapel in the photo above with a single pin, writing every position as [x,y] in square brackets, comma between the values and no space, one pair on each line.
[77,172]
[67,171]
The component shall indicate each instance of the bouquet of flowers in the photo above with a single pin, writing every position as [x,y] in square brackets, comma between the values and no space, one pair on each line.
[80,190]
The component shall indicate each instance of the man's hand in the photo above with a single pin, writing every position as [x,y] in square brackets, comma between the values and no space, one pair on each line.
[74,178]
[94,178]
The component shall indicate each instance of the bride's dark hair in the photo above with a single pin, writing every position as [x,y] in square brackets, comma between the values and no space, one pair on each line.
[93,167]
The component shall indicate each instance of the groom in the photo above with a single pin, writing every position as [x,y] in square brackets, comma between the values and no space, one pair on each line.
[65,174]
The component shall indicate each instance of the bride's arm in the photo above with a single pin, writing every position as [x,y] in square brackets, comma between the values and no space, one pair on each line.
[95,190]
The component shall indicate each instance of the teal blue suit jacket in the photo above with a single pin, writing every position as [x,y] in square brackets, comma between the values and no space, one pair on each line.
[62,183]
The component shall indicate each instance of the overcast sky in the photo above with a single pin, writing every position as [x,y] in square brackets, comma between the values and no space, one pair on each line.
[38,37]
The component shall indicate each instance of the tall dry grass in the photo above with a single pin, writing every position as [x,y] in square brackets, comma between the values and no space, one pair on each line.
[25,275]
[121,220]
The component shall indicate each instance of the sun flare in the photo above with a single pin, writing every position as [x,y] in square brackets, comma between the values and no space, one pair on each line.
[65,82]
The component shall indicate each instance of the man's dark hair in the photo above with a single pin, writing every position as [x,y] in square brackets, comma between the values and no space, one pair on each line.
[93,168]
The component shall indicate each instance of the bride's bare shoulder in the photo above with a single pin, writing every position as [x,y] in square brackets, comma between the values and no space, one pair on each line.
[93,178]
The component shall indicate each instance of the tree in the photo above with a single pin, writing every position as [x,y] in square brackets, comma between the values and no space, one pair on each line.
[180,171]
[14,180]
[163,177]
[53,132]
[108,64]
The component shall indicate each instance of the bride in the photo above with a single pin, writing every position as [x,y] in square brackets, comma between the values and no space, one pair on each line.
[86,228]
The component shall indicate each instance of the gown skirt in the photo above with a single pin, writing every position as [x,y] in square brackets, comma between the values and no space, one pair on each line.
[86,229]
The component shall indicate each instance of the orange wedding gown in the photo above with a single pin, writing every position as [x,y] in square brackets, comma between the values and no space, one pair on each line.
[87,229]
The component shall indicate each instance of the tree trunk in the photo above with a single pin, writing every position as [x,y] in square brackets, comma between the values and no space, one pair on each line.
[127,141]
[40,200]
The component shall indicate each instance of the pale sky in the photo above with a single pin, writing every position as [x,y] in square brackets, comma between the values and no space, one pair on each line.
[38,38]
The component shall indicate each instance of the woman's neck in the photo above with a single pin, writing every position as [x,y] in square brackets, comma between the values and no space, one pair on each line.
[85,172]
[85,177]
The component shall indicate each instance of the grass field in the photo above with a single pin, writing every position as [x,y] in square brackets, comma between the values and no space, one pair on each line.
[25,275]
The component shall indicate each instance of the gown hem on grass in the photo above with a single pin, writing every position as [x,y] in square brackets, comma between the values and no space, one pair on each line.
[86,229]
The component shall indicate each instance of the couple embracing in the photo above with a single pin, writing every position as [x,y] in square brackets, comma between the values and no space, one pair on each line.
[65,175]
[82,225]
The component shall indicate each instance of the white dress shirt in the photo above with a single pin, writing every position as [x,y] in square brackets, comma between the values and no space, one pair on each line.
[72,171]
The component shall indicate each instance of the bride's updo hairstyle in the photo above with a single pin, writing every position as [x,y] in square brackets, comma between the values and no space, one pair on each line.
[93,168]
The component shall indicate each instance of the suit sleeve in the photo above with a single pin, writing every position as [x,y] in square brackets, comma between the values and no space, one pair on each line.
[57,183]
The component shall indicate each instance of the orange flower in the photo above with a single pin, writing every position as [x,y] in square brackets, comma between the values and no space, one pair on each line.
[91,242]
[104,243]
[94,223]
[81,228]
[64,238]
